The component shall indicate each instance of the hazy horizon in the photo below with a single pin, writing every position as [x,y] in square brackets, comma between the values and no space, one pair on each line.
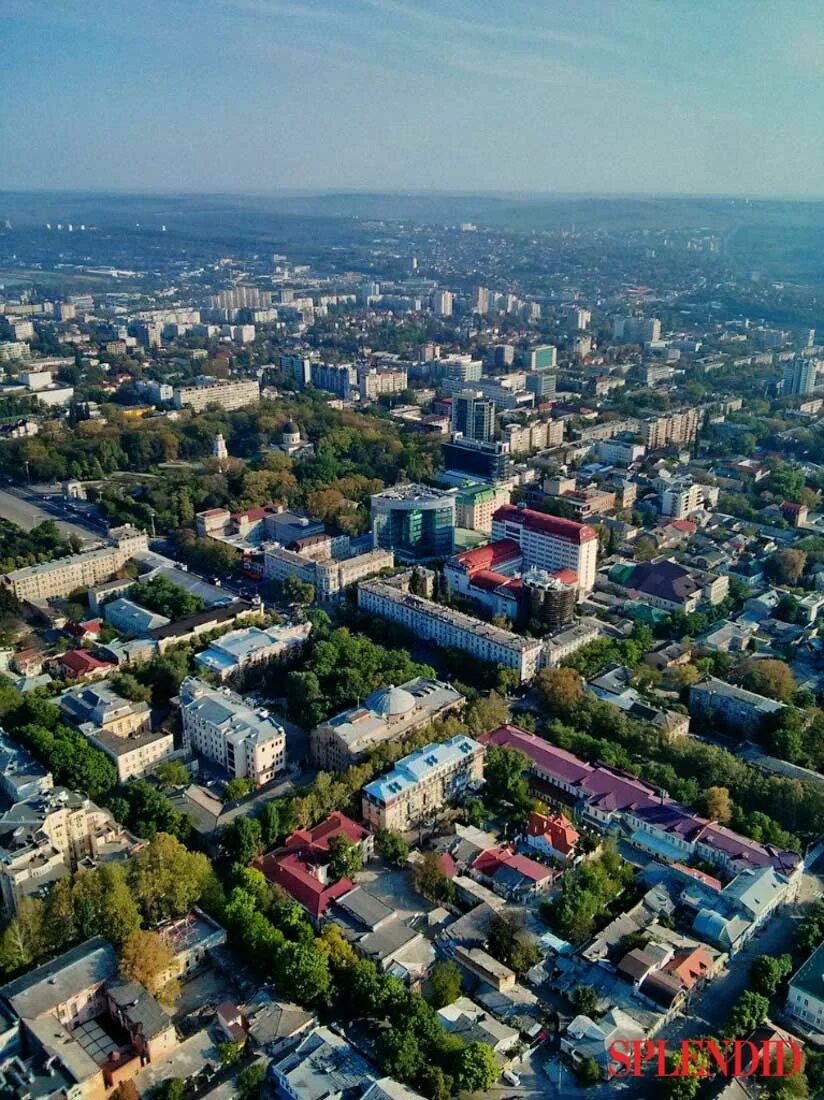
[535,98]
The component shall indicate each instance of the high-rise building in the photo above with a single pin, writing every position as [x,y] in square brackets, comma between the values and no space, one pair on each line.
[543,383]
[488,461]
[800,374]
[473,416]
[636,330]
[229,394]
[414,521]
[549,542]
[480,300]
[542,357]
[442,303]
[503,355]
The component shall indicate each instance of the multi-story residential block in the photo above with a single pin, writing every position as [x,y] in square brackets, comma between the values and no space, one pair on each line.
[310,560]
[567,640]
[232,654]
[374,381]
[636,330]
[50,834]
[416,522]
[450,629]
[680,497]
[389,714]
[476,504]
[442,303]
[338,378]
[62,576]
[67,1013]
[549,542]
[620,452]
[801,374]
[118,727]
[716,701]
[473,416]
[671,429]
[422,782]
[227,394]
[218,724]
[805,994]
[536,436]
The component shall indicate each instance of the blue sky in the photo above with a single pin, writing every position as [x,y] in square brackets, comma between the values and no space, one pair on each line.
[598,96]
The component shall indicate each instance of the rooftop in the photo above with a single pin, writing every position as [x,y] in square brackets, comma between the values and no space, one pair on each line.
[559,528]
[418,766]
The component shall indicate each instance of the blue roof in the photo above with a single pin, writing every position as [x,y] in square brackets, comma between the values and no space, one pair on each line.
[417,766]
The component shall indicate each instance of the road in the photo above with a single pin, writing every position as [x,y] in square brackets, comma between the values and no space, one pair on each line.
[27,508]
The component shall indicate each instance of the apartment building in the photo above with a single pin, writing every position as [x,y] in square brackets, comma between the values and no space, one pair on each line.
[389,714]
[550,543]
[49,835]
[220,726]
[62,576]
[450,629]
[475,506]
[671,430]
[716,701]
[374,381]
[680,497]
[805,993]
[422,782]
[311,561]
[228,394]
[232,654]
[81,1028]
[538,436]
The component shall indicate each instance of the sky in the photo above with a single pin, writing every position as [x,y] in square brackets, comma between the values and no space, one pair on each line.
[571,96]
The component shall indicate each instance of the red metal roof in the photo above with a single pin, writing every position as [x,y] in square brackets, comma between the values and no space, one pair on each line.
[299,878]
[566,529]
[489,556]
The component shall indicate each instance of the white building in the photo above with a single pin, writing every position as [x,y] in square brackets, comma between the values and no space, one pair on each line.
[220,726]
[62,576]
[229,394]
[448,628]
[549,542]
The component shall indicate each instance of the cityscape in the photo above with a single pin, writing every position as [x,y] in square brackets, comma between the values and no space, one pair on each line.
[411,594]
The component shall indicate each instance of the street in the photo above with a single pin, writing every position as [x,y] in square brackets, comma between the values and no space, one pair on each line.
[27,508]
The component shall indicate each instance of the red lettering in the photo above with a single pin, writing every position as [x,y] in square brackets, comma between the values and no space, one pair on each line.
[621,1057]
[781,1067]
[690,1055]
[643,1052]
[737,1062]
[715,1054]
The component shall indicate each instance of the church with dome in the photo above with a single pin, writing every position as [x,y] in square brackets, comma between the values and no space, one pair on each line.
[291,442]
[389,714]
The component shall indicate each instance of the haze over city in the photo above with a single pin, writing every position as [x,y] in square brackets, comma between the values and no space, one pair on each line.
[530,95]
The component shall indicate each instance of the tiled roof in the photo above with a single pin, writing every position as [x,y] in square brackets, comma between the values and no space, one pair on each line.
[565,529]
[489,556]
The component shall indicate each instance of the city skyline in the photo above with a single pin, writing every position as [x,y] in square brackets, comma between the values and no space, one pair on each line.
[256,96]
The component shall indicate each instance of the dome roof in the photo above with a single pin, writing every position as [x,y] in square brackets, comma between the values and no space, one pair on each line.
[291,428]
[391,701]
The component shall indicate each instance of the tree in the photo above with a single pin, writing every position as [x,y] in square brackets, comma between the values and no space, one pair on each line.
[250,1081]
[476,1068]
[588,1072]
[238,788]
[242,840]
[165,598]
[430,880]
[23,938]
[445,984]
[584,999]
[345,858]
[305,973]
[400,1054]
[509,943]
[718,804]
[297,591]
[786,566]
[167,879]
[504,773]
[119,915]
[270,823]
[173,773]
[488,713]
[174,1088]
[768,677]
[392,847]
[768,972]
[145,958]
[229,1053]
[560,690]
[434,1083]
[749,1012]
[645,548]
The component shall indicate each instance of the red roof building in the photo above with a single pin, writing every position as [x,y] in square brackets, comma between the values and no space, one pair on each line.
[301,866]
[552,832]
[77,663]
[512,875]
